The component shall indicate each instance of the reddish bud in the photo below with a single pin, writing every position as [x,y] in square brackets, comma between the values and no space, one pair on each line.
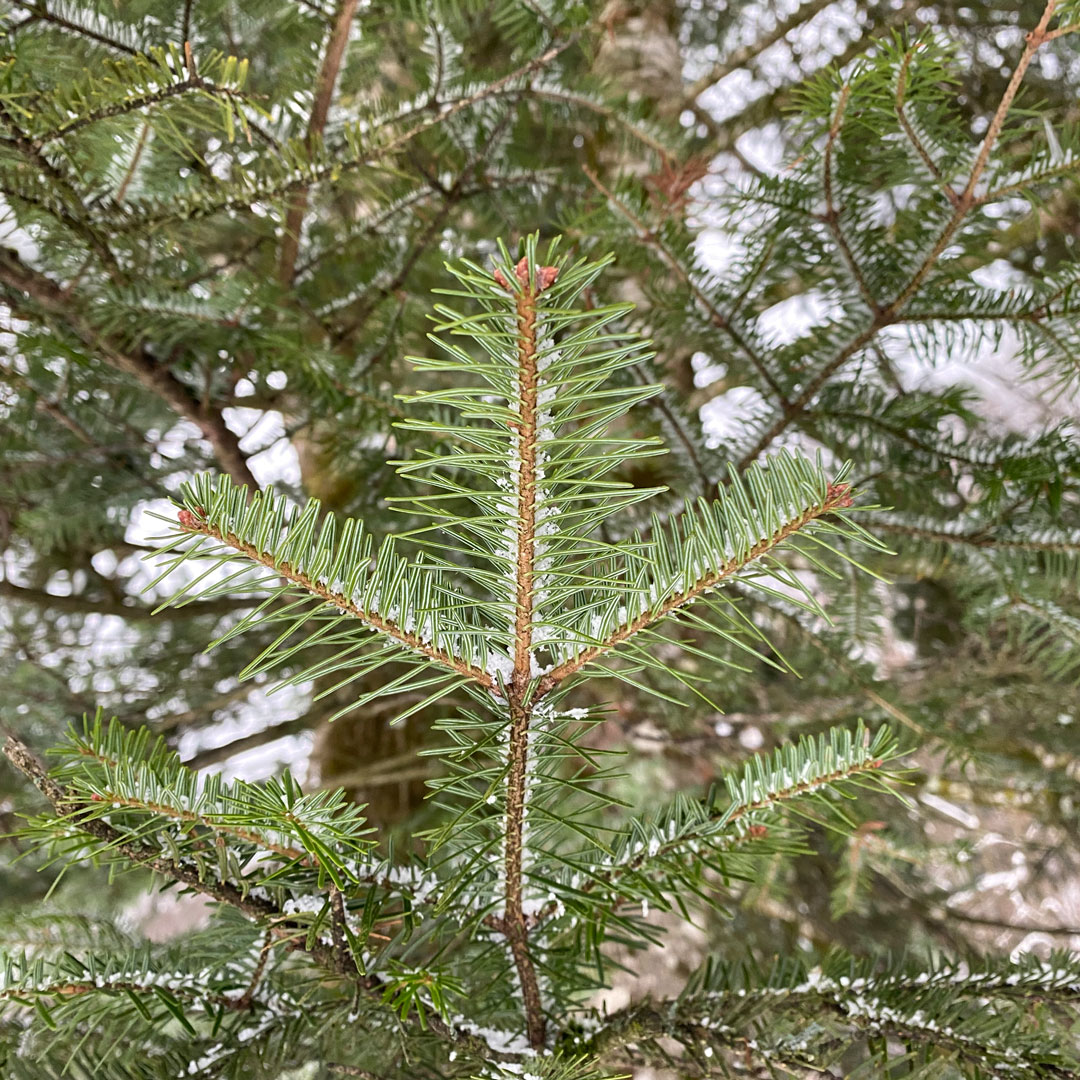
[877,764]
[758,831]
[545,277]
[97,798]
[838,495]
[187,519]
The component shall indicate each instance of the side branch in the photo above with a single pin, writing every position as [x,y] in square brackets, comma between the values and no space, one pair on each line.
[140,853]
[46,295]
[729,818]
[372,619]
[293,935]
[838,497]
[890,313]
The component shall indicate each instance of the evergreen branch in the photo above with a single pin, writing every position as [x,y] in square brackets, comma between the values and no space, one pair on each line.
[450,198]
[967,197]
[39,11]
[718,319]
[320,110]
[788,1014]
[303,175]
[613,115]
[142,854]
[67,988]
[195,523]
[837,497]
[831,216]
[889,313]
[672,848]
[742,56]
[156,97]
[912,136]
[70,197]
[54,301]
[280,923]
[1063,544]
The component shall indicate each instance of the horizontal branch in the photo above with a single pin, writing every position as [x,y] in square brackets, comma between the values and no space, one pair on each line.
[729,815]
[153,97]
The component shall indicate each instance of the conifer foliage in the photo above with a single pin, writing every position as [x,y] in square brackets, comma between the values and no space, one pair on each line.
[536,585]
[477,953]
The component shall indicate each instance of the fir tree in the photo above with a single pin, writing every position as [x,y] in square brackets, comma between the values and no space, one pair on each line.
[192,235]
[477,954]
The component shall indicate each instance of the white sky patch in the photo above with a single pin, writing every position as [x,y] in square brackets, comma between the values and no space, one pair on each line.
[724,419]
[274,459]
[790,319]
[290,751]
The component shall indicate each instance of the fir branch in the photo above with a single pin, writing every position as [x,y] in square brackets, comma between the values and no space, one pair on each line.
[371,619]
[137,851]
[39,11]
[831,216]
[1064,544]
[742,56]
[193,82]
[912,136]
[891,312]
[55,302]
[718,319]
[838,497]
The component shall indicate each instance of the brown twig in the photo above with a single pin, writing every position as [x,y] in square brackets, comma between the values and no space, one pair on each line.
[324,93]
[526,436]
[244,1000]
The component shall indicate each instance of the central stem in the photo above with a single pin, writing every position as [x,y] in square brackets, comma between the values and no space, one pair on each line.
[516,927]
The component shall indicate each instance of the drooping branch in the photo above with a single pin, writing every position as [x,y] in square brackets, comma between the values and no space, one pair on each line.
[32,288]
